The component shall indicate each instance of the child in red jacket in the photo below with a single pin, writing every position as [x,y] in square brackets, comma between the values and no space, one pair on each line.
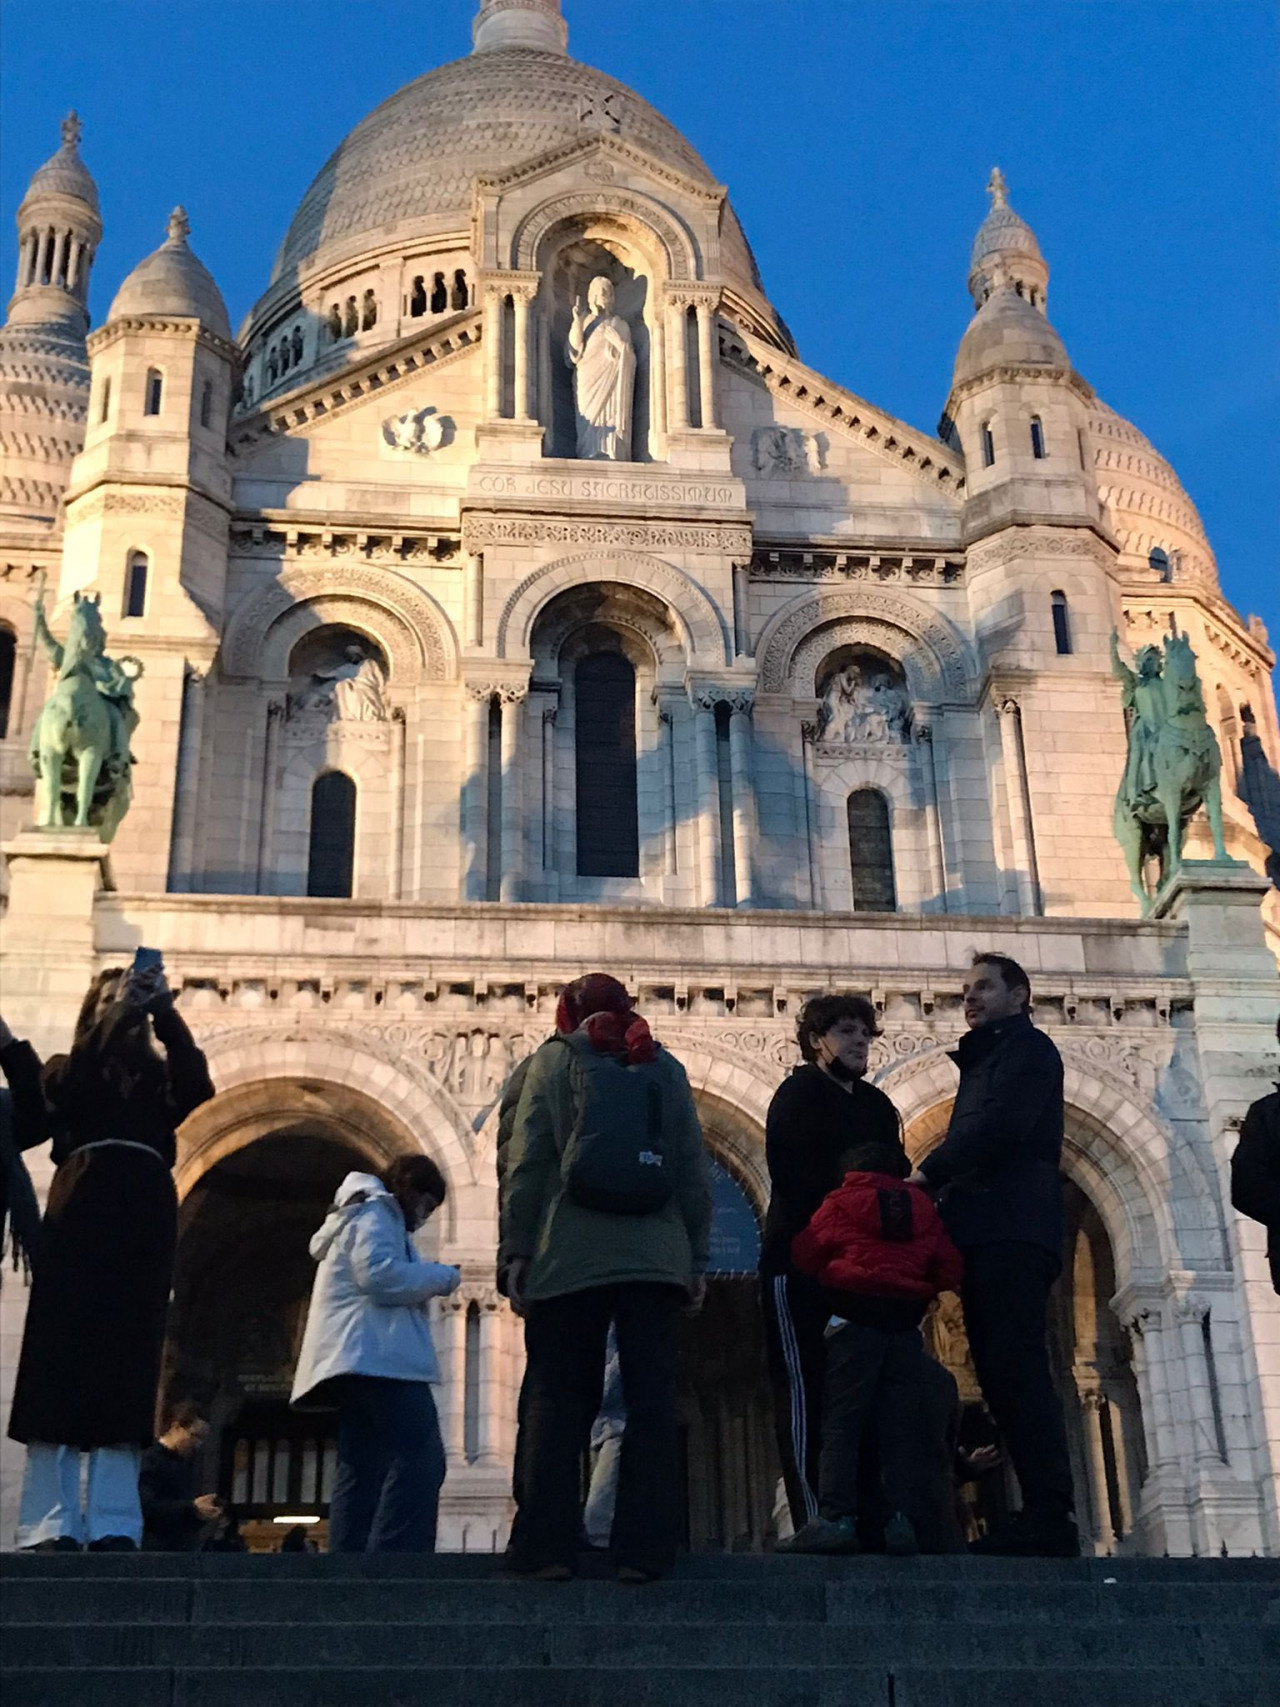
[879,1248]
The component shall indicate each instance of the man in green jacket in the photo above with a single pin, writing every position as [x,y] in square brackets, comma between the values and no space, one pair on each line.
[606,1212]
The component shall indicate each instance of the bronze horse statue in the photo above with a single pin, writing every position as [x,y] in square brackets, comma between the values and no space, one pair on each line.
[1174,764]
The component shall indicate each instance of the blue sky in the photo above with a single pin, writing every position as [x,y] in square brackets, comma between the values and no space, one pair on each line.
[1140,138]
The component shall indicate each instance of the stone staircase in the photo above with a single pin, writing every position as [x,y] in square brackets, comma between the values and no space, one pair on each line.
[158,1630]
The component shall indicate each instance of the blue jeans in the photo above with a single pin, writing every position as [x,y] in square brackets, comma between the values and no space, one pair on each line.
[390,1467]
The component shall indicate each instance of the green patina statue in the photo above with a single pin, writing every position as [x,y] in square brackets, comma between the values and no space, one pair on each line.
[80,744]
[1173,765]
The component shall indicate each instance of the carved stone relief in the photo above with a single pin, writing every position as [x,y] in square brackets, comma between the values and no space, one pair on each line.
[418,432]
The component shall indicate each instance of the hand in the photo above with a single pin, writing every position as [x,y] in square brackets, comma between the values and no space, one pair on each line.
[208,1507]
[515,1285]
[917,1178]
[6,1036]
[697,1295]
[981,1460]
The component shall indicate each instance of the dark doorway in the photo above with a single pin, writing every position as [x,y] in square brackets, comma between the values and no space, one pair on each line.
[331,855]
[605,741]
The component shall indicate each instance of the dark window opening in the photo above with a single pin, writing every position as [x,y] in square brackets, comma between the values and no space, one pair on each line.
[988,446]
[135,592]
[297,346]
[1037,438]
[1158,559]
[1061,623]
[104,409]
[334,322]
[439,294]
[155,391]
[351,319]
[8,656]
[692,367]
[605,759]
[461,295]
[206,403]
[871,853]
[368,313]
[418,298]
[331,856]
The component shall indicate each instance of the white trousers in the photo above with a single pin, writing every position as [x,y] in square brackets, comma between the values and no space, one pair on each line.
[51,1495]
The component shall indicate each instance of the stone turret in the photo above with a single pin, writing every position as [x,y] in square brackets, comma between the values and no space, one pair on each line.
[520,23]
[44,366]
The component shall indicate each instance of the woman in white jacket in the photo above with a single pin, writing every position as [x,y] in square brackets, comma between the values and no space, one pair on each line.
[367,1349]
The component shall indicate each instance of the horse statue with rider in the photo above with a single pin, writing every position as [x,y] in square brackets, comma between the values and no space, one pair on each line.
[1174,764]
[80,744]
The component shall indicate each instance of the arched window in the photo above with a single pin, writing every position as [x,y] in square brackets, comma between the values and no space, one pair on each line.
[1158,559]
[331,856]
[297,346]
[605,743]
[461,295]
[351,319]
[334,322]
[1061,622]
[1037,438]
[8,657]
[418,298]
[104,407]
[206,403]
[135,585]
[871,853]
[368,314]
[988,445]
[1082,445]
[439,294]
[155,391]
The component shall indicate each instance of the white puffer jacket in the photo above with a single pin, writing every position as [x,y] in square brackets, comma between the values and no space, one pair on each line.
[368,1311]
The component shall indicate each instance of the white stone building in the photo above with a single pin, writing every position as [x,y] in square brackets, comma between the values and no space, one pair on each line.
[437,715]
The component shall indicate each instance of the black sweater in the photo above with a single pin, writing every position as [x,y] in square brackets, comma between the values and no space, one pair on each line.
[812,1122]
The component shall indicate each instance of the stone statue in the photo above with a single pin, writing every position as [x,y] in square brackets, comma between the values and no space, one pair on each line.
[352,692]
[1173,762]
[420,431]
[603,357]
[857,709]
[80,743]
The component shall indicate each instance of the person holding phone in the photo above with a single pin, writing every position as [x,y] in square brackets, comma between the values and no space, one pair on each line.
[90,1361]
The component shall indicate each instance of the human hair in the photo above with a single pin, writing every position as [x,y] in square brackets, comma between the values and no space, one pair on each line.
[875,1158]
[820,1013]
[185,1413]
[416,1174]
[111,1056]
[1012,974]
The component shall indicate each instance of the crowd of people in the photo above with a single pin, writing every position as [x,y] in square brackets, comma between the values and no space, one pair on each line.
[605,1219]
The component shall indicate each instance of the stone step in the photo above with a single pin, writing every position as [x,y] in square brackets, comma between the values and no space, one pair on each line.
[400,1686]
[1235,1645]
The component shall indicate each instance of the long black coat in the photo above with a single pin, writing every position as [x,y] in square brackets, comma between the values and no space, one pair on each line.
[1002,1154]
[1255,1174]
[24,1123]
[91,1350]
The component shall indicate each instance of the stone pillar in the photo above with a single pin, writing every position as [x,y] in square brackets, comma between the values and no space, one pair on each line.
[48,943]
[492,340]
[741,705]
[399,738]
[670,813]
[512,876]
[812,828]
[473,600]
[1091,1403]
[182,842]
[549,787]
[708,362]
[923,733]
[1189,1314]
[267,819]
[475,790]
[488,1434]
[1019,802]
[707,784]
[522,296]
[741,613]
[677,365]
[1149,1363]
[453,1366]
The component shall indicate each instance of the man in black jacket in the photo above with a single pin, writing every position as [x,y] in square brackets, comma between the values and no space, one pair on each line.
[997,1171]
[1255,1172]
[175,1517]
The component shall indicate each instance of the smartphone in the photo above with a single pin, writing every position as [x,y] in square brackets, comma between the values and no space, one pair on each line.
[147,961]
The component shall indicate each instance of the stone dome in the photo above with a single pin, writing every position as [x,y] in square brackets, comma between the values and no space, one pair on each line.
[65,174]
[173,281]
[1003,232]
[1146,503]
[1008,332]
[410,163]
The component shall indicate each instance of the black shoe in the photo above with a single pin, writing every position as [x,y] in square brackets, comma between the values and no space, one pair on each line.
[113,1544]
[59,1544]
[1028,1535]
[900,1540]
[637,1574]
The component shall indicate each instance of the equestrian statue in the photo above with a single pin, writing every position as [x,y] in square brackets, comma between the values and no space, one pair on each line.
[80,744]
[1174,761]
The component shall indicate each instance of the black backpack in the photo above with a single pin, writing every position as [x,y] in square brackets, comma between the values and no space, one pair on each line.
[614,1159]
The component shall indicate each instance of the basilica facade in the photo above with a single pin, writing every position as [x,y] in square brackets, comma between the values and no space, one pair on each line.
[509,600]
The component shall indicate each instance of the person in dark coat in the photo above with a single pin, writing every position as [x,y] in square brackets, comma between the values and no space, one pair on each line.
[175,1518]
[23,1124]
[997,1171]
[1255,1172]
[90,1360]
[824,1109]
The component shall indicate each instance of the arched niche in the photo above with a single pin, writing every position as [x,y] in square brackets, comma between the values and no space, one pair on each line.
[935,659]
[325,654]
[689,611]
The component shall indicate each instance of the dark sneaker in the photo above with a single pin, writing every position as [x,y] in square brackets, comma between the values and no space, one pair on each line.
[636,1574]
[900,1537]
[822,1535]
[113,1544]
[1029,1536]
[59,1544]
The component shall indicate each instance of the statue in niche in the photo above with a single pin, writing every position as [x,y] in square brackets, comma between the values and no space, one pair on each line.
[352,692]
[857,706]
[601,352]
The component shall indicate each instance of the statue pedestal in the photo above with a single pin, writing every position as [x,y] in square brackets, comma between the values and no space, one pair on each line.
[708,449]
[509,441]
[47,953]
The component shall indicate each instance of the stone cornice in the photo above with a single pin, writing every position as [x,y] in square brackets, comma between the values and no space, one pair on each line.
[481,529]
[171,326]
[806,563]
[1018,373]
[599,147]
[296,538]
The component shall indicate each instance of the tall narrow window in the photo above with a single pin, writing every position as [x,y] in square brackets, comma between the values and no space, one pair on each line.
[439,294]
[8,656]
[871,853]
[206,403]
[471,1386]
[104,407]
[1037,438]
[331,856]
[461,294]
[1083,446]
[605,742]
[988,445]
[1158,559]
[155,391]
[135,585]
[1061,623]
[418,298]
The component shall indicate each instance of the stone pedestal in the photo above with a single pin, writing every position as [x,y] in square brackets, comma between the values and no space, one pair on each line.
[47,955]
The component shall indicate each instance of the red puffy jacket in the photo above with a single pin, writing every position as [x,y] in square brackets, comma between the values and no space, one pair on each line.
[880,1237]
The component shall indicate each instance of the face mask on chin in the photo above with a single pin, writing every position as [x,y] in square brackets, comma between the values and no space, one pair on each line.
[838,1070]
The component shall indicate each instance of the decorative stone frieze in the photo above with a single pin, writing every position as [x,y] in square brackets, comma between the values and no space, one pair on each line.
[479,531]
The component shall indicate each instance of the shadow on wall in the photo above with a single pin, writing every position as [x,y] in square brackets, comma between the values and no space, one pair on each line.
[1259,788]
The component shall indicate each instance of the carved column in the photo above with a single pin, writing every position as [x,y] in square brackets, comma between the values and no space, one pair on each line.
[923,733]
[707,784]
[453,1366]
[399,738]
[475,790]
[267,819]
[1191,1314]
[512,878]
[522,295]
[1149,1364]
[488,1432]
[812,827]
[492,339]
[473,599]
[677,364]
[1091,1401]
[708,362]
[741,771]
[187,792]
[741,612]
[1018,796]
[549,787]
[670,815]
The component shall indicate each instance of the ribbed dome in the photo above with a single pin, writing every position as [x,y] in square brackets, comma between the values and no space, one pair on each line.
[1146,502]
[1003,232]
[411,162]
[1008,332]
[173,281]
[66,173]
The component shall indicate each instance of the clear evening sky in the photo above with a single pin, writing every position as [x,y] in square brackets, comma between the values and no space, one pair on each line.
[1140,139]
